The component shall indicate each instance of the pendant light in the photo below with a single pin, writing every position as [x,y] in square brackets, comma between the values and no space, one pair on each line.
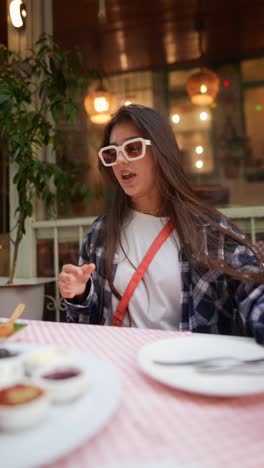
[99,103]
[203,85]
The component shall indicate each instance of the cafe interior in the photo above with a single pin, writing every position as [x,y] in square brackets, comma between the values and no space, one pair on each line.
[200,63]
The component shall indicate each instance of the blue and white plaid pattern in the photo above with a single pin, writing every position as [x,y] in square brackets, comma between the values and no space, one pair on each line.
[211,302]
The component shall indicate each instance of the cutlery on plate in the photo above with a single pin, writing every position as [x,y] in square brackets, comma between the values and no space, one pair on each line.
[217,362]
[7,327]
[240,366]
[236,369]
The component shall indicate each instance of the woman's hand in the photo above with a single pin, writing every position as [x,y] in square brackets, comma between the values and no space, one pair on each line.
[73,279]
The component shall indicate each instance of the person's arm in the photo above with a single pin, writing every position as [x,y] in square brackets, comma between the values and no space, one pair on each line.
[249,296]
[250,301]
[82,300]
[76,287]
[86,311]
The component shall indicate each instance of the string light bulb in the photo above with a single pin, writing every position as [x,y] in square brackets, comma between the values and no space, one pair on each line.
[199,149]
[203,115]
[175,118]
[199,164]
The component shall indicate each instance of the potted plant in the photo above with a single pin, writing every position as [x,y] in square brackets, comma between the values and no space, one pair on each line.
[37,91]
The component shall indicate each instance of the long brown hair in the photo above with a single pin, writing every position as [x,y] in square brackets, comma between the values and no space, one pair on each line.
[193,218]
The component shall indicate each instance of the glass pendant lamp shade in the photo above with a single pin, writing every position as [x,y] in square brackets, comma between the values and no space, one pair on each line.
[100,105]
[202,87]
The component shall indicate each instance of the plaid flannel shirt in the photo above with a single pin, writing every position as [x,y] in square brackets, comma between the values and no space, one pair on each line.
[211,302]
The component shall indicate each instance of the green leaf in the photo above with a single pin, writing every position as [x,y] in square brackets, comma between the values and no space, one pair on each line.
[3,98]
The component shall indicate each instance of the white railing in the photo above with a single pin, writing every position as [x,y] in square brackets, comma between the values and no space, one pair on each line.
[61,230]
[249,219]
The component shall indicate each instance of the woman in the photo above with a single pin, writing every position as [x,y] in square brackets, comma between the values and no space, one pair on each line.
[205,277]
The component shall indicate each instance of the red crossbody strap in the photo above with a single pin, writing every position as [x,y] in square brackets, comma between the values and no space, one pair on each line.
[119,314]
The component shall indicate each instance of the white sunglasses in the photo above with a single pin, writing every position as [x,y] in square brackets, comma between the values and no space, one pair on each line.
[131,149]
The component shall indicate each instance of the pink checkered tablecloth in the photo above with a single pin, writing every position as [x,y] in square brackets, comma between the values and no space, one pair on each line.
[155,423]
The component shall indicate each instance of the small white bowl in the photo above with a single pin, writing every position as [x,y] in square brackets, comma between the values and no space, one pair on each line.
[36,360]
[11,367]
[21,415]
[60,387]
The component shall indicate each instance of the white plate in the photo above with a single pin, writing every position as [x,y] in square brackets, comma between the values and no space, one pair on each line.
[202,346]
[69,425]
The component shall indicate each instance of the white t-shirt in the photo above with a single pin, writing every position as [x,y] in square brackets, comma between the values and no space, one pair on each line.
[156,299]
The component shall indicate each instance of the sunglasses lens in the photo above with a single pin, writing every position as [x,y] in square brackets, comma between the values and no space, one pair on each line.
[109,155]
[134,149]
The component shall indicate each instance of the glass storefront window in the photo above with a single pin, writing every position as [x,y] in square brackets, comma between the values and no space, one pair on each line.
[228,169]
[222,145]
[253,85]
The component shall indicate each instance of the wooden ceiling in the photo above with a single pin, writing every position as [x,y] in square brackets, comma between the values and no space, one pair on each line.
[143,34]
